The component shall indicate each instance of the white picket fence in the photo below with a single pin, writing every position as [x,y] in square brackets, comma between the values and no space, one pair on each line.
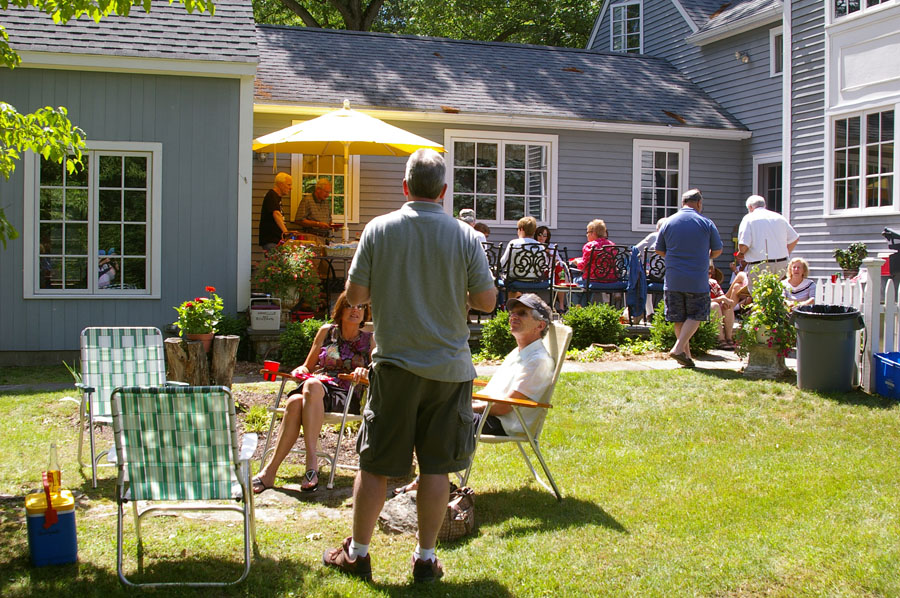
[880,314]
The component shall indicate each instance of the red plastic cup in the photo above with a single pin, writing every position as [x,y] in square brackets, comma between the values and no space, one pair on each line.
[271,368]
[834,278]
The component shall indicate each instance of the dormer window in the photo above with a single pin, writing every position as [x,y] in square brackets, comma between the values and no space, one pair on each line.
[626,28]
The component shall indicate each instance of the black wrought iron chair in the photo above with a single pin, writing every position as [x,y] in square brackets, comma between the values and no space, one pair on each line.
[606,271]
[529,269]
[655,268]
[493,251]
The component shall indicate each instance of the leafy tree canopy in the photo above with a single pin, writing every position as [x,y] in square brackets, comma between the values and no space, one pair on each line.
[48,131]
[550,22]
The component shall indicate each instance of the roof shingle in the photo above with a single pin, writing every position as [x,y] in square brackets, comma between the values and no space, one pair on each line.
[168,31]
[319,67]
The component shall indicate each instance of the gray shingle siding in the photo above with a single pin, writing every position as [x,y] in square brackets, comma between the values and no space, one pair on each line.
[809,189]
[594,180]
[195,119]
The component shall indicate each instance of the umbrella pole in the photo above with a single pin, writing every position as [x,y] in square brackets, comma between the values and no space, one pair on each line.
[346,231]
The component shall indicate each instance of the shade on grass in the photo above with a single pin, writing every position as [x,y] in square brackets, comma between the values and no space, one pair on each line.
[675,483]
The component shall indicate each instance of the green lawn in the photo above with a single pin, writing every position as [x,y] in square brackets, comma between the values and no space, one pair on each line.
[676,483]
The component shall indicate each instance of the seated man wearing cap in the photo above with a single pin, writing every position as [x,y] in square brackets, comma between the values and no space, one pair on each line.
[525,373]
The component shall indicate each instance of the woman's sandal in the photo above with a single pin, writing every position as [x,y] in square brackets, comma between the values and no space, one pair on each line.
[307,485]
[259,486]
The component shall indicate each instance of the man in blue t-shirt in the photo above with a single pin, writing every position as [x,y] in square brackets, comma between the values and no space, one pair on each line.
[687,241]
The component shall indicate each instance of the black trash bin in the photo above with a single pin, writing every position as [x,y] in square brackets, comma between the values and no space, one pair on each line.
[826,346]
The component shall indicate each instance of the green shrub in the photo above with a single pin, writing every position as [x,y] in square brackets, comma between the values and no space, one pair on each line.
[596,323]
[496,339]
[257,419]
[236,326]
[662,333]
[296,341]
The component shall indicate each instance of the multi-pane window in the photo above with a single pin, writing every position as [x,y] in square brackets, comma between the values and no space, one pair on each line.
[659,180]
[502,180]
[329,168]
[93,225]
[769,176]
[863,168]
[626,28]
[843,8]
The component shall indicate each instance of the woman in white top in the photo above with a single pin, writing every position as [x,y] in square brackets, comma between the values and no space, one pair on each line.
[799,289]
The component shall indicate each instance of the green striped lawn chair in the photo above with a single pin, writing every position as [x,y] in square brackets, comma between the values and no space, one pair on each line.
[112,357]
[180,444]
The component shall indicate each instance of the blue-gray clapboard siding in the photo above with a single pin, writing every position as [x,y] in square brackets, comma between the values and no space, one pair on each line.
[746,90]
[809,190]
[196,121]
[595,181]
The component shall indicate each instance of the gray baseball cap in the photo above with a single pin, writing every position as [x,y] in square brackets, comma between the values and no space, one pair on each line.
[531,301]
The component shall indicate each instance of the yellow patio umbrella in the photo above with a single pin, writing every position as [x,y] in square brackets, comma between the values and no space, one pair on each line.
[341,133]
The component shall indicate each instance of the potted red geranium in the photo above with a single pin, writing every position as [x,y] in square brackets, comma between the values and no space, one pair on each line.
[197,318]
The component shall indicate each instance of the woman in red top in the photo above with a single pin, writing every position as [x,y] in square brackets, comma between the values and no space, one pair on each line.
[603,268]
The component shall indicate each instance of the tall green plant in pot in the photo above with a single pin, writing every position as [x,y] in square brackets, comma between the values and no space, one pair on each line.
[766,334]
[289,273]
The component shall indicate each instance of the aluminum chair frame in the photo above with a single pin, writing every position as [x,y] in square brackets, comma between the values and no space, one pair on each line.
[557,342]
[154,437]
[331,417]
[111,357]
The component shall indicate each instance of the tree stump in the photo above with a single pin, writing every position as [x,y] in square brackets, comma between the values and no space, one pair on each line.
[224,352]
[187,362]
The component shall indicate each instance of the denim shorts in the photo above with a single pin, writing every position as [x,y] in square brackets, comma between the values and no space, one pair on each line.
[407,412]
[681,306]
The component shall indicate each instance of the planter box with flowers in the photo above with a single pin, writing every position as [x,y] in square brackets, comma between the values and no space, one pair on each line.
[289,273]
[766,334]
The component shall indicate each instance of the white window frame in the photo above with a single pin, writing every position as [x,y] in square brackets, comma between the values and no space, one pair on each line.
[862,210]
[642,145]
[500,137]
[774,67]
[351,186]
[31,238]
[625,5]
[864,9]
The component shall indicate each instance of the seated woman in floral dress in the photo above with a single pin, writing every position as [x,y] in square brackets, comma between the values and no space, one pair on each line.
[341,347]
[723,306]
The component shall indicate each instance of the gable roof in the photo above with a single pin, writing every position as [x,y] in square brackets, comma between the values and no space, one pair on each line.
[302,66]
[731,18]
[168,31]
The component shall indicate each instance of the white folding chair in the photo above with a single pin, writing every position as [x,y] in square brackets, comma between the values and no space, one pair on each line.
[557,342]
[334,418]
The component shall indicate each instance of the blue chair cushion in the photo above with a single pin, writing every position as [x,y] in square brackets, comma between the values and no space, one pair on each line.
[527,286]
[608,286]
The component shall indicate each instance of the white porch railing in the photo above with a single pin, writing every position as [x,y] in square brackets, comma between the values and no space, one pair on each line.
[881,317]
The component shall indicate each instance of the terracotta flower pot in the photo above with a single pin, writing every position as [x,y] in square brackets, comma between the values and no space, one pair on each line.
[205,338]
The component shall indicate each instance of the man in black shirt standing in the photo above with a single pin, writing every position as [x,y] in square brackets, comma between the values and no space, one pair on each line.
[271,219]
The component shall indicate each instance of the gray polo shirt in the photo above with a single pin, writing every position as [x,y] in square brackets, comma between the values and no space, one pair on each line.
[418,264]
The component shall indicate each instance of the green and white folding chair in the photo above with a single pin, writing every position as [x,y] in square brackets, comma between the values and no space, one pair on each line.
[113,357]
[557,342]
[180,444]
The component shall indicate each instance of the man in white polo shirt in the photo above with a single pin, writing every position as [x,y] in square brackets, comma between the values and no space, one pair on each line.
[765,238]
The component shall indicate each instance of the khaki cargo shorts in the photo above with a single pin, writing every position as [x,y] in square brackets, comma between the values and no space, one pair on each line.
[406,412]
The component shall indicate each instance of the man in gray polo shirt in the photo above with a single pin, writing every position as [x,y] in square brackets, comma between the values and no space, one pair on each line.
[422,272]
